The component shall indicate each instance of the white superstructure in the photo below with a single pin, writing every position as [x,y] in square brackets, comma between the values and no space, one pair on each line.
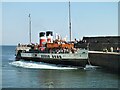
[80,54]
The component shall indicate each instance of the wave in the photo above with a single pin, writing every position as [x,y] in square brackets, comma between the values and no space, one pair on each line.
[39,65]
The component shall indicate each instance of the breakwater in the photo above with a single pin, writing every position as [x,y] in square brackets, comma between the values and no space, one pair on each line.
[104,51]
[109,60]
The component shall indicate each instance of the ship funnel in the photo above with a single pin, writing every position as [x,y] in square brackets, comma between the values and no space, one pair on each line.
[49,35]
[43,39]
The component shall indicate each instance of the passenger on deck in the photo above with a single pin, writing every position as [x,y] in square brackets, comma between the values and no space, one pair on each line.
[111,49]
[118,49]
[18,44]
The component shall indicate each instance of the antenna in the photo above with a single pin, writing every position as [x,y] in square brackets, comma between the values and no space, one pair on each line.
[29,28]
[70,22]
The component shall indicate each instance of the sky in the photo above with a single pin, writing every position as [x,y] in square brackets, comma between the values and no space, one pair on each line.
[88,19]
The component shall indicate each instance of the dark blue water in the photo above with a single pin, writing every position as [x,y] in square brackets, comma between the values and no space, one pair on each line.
[22,74]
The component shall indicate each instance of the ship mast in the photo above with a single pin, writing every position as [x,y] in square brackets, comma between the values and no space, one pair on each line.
[70,22]
[29,29]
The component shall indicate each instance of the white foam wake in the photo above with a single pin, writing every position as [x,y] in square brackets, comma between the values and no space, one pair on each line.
[89,67]
[35,65]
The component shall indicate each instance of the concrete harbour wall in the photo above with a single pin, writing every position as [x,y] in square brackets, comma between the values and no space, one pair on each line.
[110,60]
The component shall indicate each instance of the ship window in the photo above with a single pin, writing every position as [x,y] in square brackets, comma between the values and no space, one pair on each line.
[83,52]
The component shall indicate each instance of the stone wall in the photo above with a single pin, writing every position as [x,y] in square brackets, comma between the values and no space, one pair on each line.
[100,43]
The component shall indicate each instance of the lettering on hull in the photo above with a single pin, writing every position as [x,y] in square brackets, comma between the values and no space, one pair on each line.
[56,56]
[45,56]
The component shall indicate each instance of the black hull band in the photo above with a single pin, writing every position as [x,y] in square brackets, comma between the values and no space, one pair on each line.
[75,62]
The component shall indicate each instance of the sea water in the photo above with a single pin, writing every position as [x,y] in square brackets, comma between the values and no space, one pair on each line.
[25,74]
